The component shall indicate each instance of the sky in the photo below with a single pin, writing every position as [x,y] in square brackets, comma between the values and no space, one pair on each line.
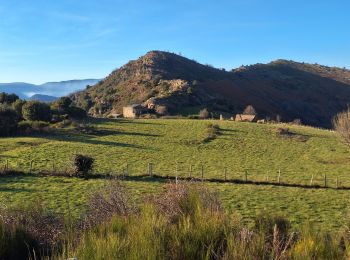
[47,40]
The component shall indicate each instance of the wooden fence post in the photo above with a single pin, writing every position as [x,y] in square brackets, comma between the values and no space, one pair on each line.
[150,170]
[312,180]
[325,180]
[337,183]
[225,173]
[246,176]
[31,166]
[127,169]
[279,176]
[177,169]
[202,171]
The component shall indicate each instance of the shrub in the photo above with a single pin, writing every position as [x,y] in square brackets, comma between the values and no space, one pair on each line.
[341,123]
[63,104]
[204,113]
[36,111]
[15,242]
[212,132]
[8,120]
[103,205]
[83,164]
[29,127]
[76,112]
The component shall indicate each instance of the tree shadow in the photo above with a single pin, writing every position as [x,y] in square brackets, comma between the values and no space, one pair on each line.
[88,139]
[123,121]
[7,189]
[105,132]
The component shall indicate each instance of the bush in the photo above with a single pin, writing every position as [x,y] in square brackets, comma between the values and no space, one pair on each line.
[341,123]
[29,127]
[103,205]
[29,232]
[8,120]
[83,165]
[212,132]
[63,104]
[76,112]
[36,111]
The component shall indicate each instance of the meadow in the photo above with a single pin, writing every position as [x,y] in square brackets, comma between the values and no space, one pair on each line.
[172,145]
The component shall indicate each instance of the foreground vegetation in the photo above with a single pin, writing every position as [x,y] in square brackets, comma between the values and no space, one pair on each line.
[183,221]
[173,145]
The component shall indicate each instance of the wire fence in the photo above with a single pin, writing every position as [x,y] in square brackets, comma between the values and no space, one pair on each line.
[183,172]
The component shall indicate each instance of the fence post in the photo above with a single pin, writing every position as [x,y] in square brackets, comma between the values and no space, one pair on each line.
[150,169]
[31,166]
[325,180]
[225,173]
[312,180]
[279,176]
[202,172]
[127,169]
[7,164]
[53,167]
[246,176]
[337,182]
[177,169]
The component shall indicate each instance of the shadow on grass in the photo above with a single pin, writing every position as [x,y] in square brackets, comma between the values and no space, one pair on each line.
[167,178]
[106,132]
[88,139]
[124,121]
[4,189]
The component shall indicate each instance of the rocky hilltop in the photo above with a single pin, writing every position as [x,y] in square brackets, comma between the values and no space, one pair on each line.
[310,92]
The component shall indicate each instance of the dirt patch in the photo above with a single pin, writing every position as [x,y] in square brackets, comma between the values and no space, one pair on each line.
[286,133]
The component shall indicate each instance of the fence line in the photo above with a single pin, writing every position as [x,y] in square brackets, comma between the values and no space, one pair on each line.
[191,173]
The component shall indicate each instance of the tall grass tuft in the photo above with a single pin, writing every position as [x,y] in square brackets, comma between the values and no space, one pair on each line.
[185,221]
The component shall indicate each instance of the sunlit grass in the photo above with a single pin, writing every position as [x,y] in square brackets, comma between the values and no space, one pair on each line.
[241,147]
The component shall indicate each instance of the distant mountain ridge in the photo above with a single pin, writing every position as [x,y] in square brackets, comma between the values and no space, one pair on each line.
[310,92]
[55,89]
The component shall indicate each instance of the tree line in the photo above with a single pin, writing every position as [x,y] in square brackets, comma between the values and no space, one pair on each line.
[21,116]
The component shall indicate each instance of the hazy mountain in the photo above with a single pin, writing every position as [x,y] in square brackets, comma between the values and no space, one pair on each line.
[56,89]
[43,98]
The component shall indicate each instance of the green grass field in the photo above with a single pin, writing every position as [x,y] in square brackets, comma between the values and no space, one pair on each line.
[241,147]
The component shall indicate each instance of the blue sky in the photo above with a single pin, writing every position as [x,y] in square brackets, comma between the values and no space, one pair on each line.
[47,40]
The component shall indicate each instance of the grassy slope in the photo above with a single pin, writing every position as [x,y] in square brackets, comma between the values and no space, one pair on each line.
[242,146]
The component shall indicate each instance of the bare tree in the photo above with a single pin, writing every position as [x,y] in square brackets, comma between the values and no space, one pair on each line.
[249,110]
[204,113]
[341,123]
